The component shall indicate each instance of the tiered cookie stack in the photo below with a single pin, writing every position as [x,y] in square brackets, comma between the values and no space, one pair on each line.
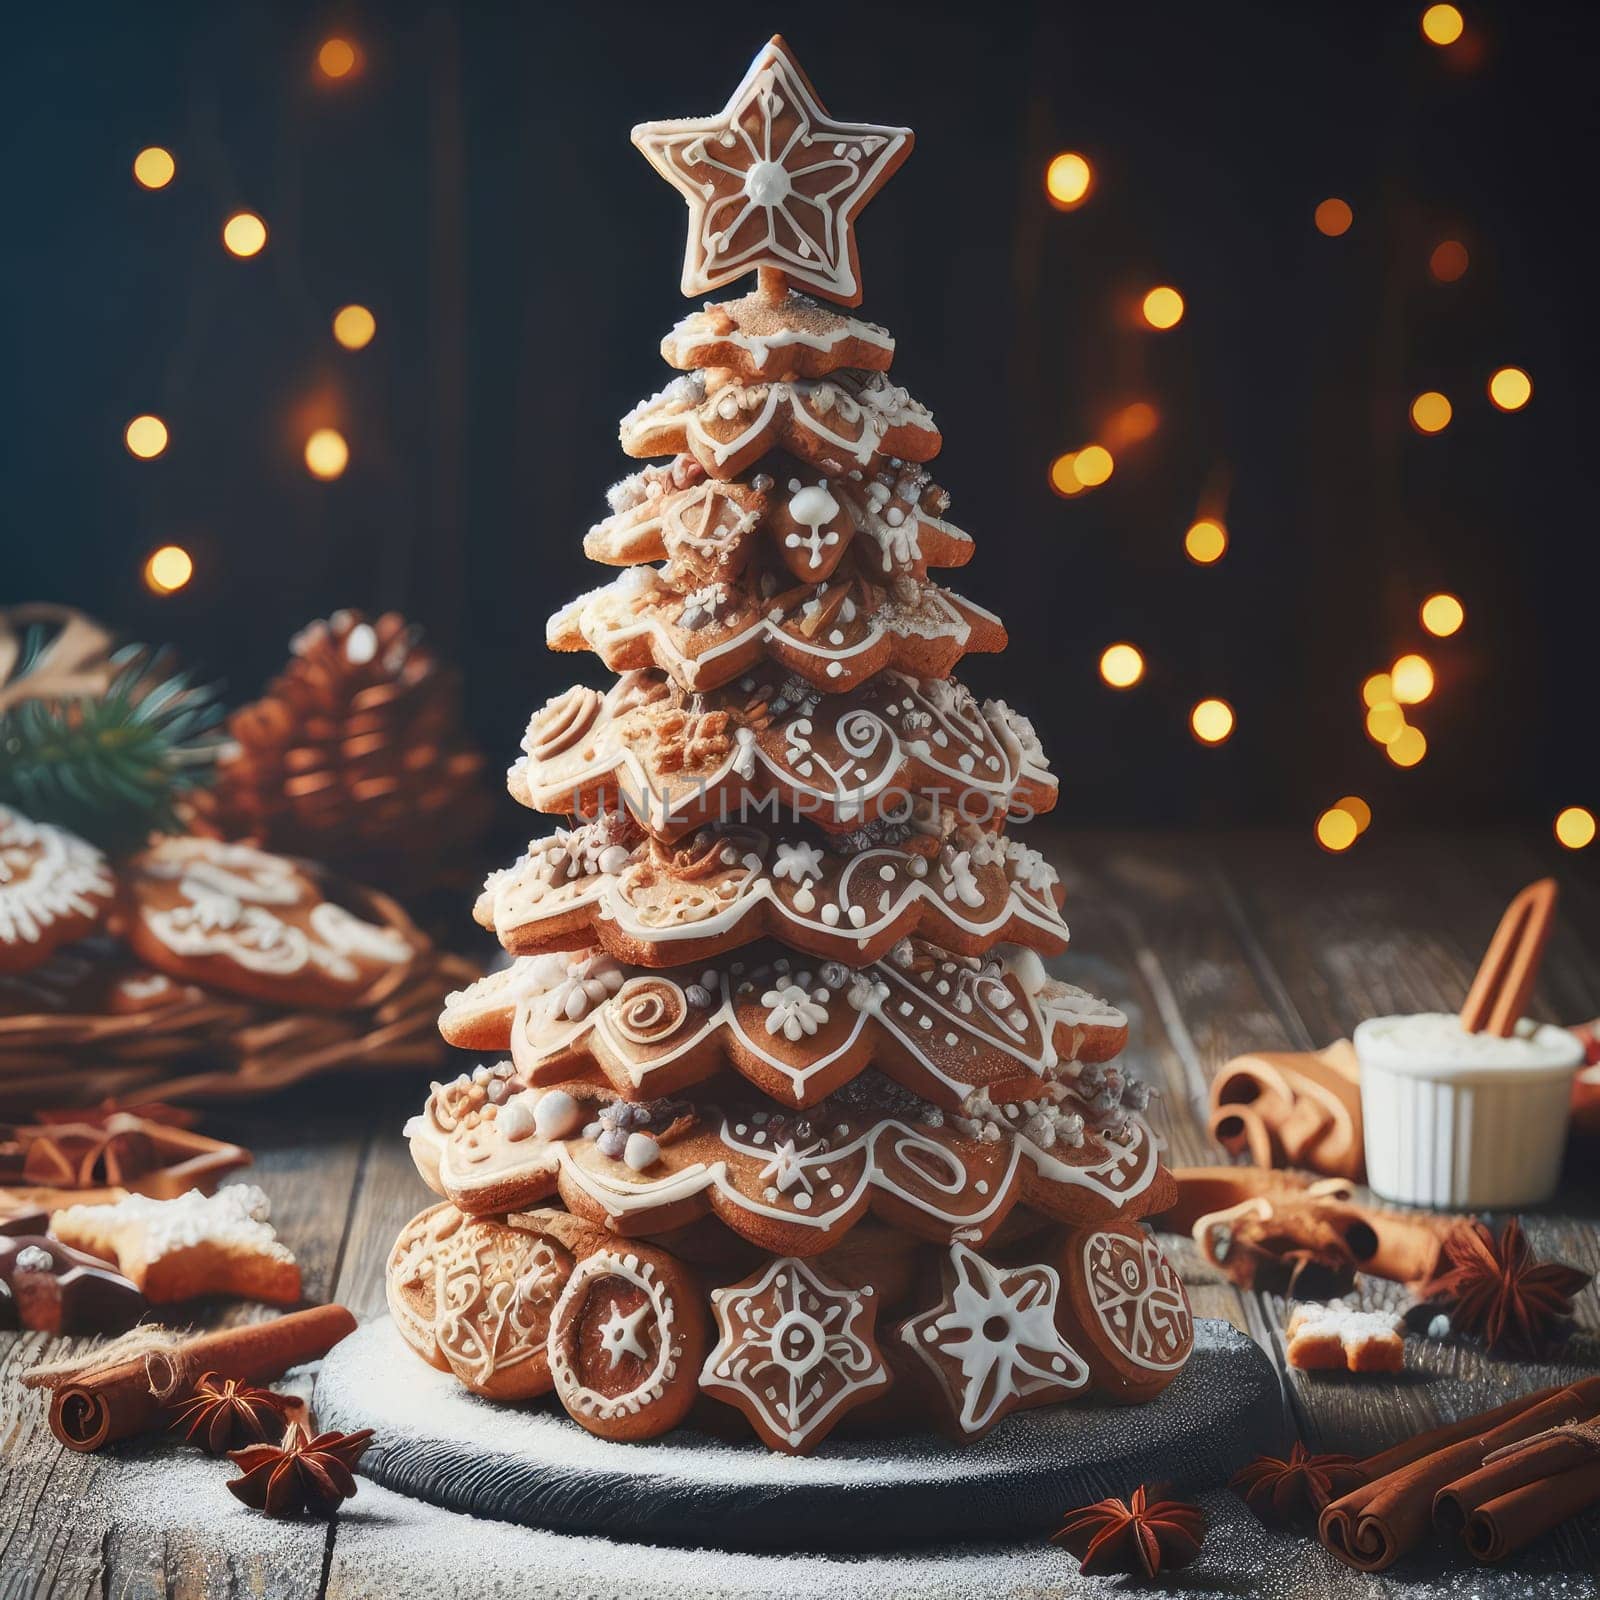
[825,1137]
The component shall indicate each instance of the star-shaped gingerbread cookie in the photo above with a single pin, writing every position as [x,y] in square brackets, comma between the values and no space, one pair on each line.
[773,182]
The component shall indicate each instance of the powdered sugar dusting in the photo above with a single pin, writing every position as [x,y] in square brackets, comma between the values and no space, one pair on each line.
[235,1216]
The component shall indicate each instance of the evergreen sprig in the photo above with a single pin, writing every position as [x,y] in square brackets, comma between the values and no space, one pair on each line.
[112,768]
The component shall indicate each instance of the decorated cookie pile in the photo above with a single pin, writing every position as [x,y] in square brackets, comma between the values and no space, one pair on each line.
[778,1114]
[196,966]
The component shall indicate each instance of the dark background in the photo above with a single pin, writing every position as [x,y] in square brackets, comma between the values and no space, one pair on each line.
[474,186]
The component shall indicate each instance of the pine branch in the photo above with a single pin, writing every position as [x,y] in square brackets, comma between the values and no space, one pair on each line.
[114,768]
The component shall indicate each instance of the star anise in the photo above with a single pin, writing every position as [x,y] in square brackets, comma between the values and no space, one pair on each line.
[1139,1536]
[222,1413]
[1498,1290]
[302,1474]
[1296,1490]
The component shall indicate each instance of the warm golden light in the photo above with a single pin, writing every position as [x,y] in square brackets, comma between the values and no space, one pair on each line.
[1575,827]
[1333,217]
[1067,180]
[1386,722]
[168,569]
[1063,479]
[245,234]
[1430,412]
[1211,721]
[1358,810]
[1377,689]
[145,437]
[1511,388]
[1448,261]
[1163,307]
[354,326]
[336,59]
[327,454]
[154,167]
[1336,829]
[1121,666]
[1093,465]
[1205,541]
[1412,678]
[1133,423]
[1442,615]
[1408,749]
[1442,25]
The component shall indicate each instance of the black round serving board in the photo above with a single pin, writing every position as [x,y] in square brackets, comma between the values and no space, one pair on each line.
[534,1466]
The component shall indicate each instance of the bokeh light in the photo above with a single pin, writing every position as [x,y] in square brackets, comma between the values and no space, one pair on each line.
[168,569]
[145,437]
[1163,307]
[1133,423]
[245,234]
[1206,541]
[1442,24]
[1063,477]
[1575,827]
[1511,388]
[1093,465]
[1121,665]
[1442,615]
[1386,722]
[1377,689]
[327,454]
[1359,811]
[1412,678]
[337,58]
[1408,749]
[1333,217]
[1068,179]
[1430,412]
[1336,829]
[1448,263]
[154,167]
[1211,721]
[354,326]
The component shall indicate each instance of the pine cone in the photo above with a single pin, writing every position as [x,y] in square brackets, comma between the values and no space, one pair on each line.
[356,756]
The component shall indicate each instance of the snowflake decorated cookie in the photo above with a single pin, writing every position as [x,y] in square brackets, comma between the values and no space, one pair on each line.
[796,1352]
[54,889]
[990,1345]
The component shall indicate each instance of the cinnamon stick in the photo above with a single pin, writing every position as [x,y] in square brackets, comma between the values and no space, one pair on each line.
[1292,1108]
[137,1393]
[1373,1526]
[1523,1490]
[1505,976]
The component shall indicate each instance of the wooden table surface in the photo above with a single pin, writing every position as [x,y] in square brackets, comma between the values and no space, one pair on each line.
[1215,945]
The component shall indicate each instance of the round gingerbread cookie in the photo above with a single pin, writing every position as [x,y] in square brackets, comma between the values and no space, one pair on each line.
[54,889]
[796,1352]
[627,1342]
[1124,1306]
[238,919]
[475,1298]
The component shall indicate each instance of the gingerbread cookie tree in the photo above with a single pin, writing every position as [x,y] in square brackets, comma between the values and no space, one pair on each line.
[814,1133]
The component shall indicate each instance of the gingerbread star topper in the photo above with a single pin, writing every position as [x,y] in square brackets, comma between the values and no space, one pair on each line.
[773,182]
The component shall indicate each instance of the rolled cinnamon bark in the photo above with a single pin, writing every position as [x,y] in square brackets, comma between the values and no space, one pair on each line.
[1523,1491]
[91,1408]
[1371,1527]
[1298,1108]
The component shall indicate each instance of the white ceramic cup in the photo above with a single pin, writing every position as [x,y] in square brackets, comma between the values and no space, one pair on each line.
[1464,1120]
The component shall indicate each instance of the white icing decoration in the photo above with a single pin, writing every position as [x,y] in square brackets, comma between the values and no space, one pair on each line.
[1138,1300]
